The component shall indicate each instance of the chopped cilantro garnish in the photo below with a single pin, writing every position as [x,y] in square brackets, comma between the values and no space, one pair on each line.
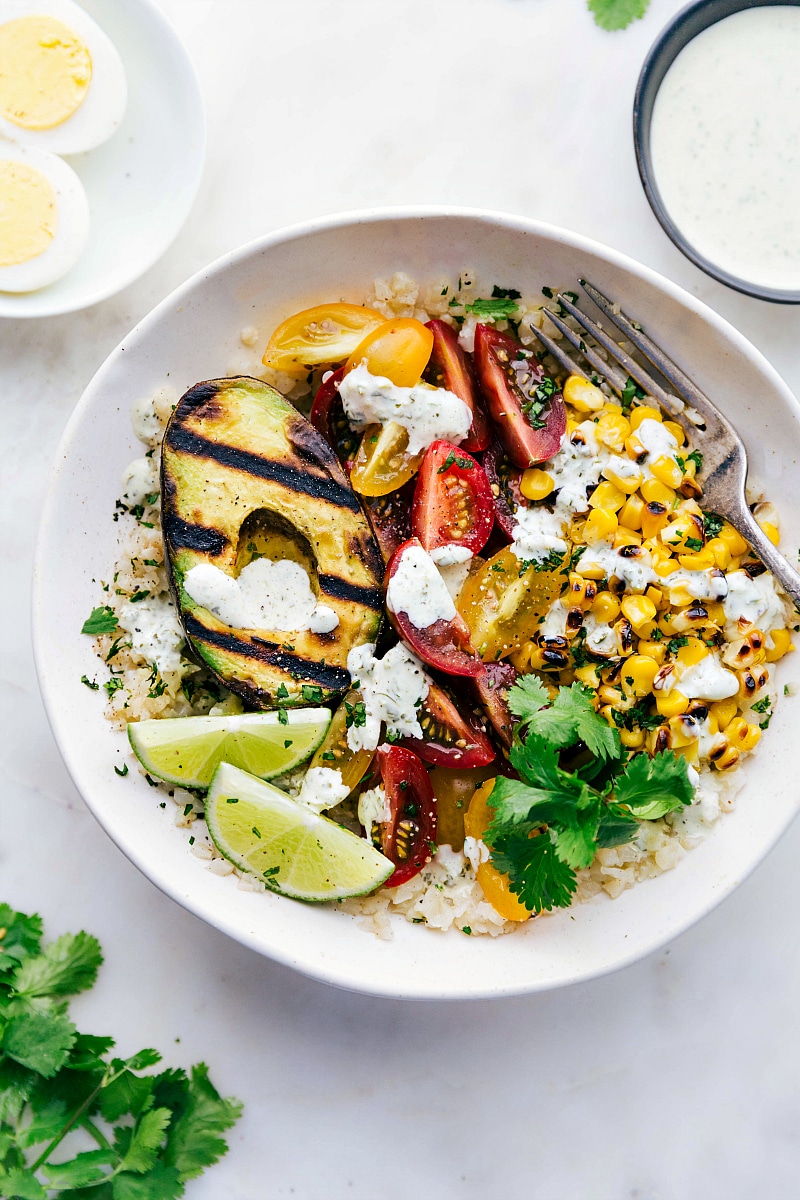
[697,458]
[100,620]
[712,524]
[311,693]
[137,596]
[122,773]
[694,543]
[90,683]
[617,14]
[496,308]
[675,644]
[630,392]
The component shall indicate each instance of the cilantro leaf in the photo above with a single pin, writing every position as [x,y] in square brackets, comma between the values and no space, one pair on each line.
[571,718]
[21,1184]
[39,1040]
[496,308]
[145,1140]
[527,696]
[83,1169]
[45,1125]
[66,966]
[577,844]
[536,873]
[22,935]
[194,1141]
[617,14]
[616,827]
[162,1181]
[651,787]
[100,620]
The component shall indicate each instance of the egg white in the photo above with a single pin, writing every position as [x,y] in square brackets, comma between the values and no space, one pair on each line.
[104,105]
[72,227]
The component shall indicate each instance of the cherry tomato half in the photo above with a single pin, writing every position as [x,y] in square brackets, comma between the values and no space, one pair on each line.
[502,602]
[450,368]
[382,463]
[327,417]
[398,350]
[448,740]
[444,644]
[408,838]
[335,752]
[492,686]
[504,483]
[495,886]
[454,791]
[327,333]
[527,411]
[390,518]
[453,502]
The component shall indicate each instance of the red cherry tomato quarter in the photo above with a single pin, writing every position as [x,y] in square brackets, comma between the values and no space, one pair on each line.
[449,367]
[448,739]
[453,502]
[492,685]
[523,401]
[503,481]
[328,418]
[408,838]
[444,643]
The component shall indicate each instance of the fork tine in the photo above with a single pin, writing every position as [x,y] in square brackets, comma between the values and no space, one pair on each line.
[673,404]
[600,365]
[670,370]
[558,353]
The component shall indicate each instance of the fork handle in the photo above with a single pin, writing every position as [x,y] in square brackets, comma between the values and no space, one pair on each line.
[789,579]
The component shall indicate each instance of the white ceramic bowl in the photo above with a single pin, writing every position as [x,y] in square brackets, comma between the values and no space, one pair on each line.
[194,335]
[142,182]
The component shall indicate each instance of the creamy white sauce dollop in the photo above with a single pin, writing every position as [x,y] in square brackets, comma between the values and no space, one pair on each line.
[427,414]
[322,788]
[417,589]
[266,595]
[392,687]
[725,144]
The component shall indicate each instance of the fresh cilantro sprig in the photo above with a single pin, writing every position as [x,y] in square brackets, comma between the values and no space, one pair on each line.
[149,1133]
[577,792]
[617,14]
[100,620]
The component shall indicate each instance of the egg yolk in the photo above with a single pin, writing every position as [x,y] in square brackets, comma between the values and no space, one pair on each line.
[28,213]
[45,73]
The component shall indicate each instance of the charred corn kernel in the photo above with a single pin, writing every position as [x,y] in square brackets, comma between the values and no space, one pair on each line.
[606,608]
[655,650]
[654,489]
[721,551]
[770,530]
[583,395]
[728,758]
[666,469]
[639,672]
[702,560]
[630,515]
[609,695]
[741,734]
[636,448]
[676,431]
[638,609]
[693,652]
[643,413]
[624,634]
[724,711]
[781,644]
[746,651]
[626,537]
[535,484]
[607,496]
[673,704]
[601,524]
[681,734]
[751,681]
[632,739]
[654,518]
[588,676]
[657,596]
[612,429]
[659,739]
[582,592]
[733,540]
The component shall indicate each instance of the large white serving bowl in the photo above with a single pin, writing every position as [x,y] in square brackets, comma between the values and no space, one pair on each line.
[194,335]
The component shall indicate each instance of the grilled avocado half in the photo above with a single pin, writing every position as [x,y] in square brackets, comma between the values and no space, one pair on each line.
[243,475]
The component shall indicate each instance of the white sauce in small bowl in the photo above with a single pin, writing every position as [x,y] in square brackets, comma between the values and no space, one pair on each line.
[725,145]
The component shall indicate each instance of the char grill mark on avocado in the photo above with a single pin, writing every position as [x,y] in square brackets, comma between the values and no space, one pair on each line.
[183,441]
[335,678]
[333,585]
[191,537]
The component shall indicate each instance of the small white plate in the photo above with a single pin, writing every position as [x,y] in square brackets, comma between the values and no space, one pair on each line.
[142,182]
[194,335]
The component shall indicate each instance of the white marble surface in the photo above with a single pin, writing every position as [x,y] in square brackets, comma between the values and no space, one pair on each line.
[673,1080]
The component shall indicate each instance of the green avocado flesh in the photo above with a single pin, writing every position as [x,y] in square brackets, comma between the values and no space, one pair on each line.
[244,475]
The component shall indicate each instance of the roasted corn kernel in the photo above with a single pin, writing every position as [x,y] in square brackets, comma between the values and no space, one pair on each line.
[654,489]
[582,395]
[742,734]
[724,711]
[781,644]
[612,429]
[601,524]
[671,704]
[666,469]
[630,515]
[605,495]
[643,413]
[638,674]
[535,484]
[639,610]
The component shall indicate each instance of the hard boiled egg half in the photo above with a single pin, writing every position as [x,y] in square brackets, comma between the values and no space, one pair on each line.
[62,82]
[44,217]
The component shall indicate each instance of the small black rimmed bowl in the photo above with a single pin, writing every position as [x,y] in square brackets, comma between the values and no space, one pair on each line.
[681,30]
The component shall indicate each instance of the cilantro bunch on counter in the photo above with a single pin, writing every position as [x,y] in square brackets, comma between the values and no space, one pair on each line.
[61,1090]
[617,14]
[578,792]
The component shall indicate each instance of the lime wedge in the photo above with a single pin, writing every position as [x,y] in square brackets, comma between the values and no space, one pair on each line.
[187,750]
[295,852]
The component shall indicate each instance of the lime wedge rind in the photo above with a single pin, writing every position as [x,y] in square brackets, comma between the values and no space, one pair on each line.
[293,851]
[187,750]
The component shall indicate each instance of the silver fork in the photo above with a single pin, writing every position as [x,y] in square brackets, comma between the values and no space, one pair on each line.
[724,456]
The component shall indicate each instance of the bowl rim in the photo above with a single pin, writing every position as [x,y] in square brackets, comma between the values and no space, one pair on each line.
[329,972]
[674,37]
